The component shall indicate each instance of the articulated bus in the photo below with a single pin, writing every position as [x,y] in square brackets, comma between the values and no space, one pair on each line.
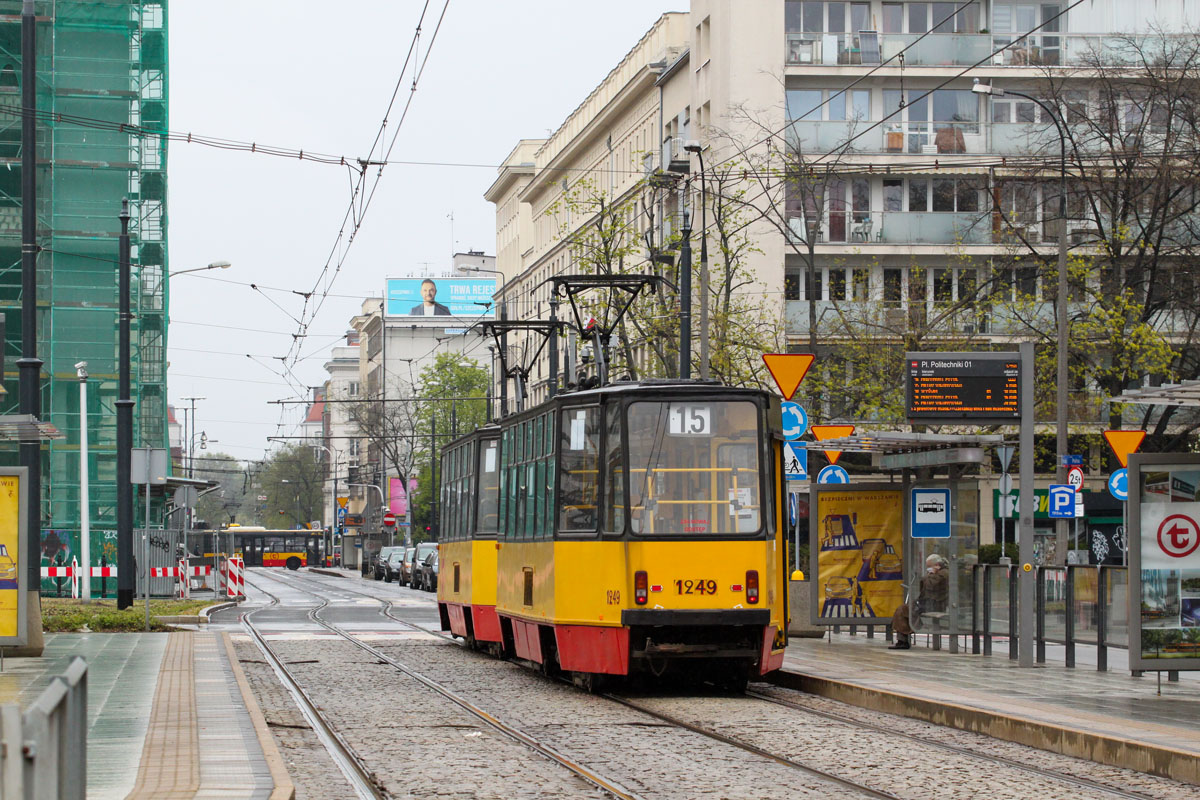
[262,547]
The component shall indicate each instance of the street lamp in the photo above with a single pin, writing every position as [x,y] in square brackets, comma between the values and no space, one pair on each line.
[85,523]
[213,265]
[1060,528]
[693,146]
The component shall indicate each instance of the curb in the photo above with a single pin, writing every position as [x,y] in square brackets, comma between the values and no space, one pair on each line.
[323,571]
[1165,762]
[283,788]
[209,610]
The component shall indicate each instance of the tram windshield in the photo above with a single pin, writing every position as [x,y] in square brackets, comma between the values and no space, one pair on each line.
[694,468]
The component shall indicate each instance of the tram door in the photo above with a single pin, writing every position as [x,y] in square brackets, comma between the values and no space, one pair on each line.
[252,551]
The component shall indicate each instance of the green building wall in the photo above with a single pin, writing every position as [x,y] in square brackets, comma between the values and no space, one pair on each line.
[102,64]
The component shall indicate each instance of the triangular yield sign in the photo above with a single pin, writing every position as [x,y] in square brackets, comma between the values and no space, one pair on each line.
[823,432]
[788,370]
[1123,443]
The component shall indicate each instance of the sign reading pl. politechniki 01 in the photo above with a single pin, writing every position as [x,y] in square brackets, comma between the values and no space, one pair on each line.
[440,299]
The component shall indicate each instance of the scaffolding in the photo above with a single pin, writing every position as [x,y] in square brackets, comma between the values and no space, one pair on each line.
[102,60]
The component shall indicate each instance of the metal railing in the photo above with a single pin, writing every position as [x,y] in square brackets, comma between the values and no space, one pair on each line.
[44,749]
[1074,605]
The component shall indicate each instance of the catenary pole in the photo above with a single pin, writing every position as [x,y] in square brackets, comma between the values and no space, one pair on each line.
[125,559]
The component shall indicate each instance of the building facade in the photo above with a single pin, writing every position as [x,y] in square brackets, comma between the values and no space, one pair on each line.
[897,188]
[102,72]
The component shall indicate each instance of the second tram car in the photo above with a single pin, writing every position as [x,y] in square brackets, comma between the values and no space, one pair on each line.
[636,529]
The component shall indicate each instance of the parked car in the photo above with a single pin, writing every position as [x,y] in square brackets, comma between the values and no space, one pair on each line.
[427,573]
[377,561]
[420,553]
[406,565]
[391,566]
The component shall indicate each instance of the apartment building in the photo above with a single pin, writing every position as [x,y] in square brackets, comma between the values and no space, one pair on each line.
[921,185]
[904,190]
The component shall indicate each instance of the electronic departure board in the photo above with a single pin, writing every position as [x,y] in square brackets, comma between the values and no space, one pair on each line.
[979,387]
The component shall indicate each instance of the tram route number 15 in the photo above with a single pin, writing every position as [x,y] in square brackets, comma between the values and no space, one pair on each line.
[689,420]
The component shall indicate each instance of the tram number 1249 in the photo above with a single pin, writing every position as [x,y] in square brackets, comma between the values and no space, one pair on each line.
[696,587]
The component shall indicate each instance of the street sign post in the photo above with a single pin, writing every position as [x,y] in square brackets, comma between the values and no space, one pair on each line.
[795,461]
[795,420]
[1118,484]
[788,370]
[1123,443]
[1075,477]
[929,513]
[1062,501]
[833,474]
[823,432]
[389,519]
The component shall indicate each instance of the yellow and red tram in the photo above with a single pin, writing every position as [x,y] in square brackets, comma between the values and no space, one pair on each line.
[638,530]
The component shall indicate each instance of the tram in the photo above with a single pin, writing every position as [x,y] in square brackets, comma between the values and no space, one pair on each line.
[631,528]
[263,547]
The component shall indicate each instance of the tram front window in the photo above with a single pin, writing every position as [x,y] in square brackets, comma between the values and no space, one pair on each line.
[694,468]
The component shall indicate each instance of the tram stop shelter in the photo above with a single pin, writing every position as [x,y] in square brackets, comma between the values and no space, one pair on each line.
[868,542]
[1163,492]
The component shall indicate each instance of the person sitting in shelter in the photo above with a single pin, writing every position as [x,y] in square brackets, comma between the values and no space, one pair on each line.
[933,596]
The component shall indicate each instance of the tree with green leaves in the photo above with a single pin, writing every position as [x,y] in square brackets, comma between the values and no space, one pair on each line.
[224,504]
[453,391]
[293,480]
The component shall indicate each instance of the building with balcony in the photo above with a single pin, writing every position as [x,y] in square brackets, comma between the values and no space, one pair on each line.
[102,72]
[884,184]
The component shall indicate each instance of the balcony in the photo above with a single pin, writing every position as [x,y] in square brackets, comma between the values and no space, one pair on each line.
[925,138]
[897,228]
[965,49]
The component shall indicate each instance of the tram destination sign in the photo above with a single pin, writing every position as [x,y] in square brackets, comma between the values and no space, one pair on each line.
[976,386]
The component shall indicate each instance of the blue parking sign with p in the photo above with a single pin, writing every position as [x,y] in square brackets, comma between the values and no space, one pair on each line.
[1062,501]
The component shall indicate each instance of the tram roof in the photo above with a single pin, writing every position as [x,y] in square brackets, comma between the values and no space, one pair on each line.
[900,450]
[1185,393]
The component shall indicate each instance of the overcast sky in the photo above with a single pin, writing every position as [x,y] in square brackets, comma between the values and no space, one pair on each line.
[317,76]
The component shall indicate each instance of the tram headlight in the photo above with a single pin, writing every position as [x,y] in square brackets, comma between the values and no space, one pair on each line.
[751,586]
[640,595]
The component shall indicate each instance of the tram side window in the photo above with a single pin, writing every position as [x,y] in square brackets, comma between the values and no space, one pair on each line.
[488,496]
[444,497]
[614,473]
[507,503]
[579,469]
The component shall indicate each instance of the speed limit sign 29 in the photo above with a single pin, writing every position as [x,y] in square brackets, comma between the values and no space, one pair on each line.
[1075,477]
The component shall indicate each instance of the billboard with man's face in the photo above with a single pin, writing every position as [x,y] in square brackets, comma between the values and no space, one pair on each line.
[467,299]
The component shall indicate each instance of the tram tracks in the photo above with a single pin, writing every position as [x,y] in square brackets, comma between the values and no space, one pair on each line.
[1056,775]
[608,785]
[1071,780]
[822,775]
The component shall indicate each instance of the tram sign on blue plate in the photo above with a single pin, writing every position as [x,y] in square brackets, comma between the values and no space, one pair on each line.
[1062,501]
[795,420]
[833,474]
[795,461]
[929,512]
[1118,484]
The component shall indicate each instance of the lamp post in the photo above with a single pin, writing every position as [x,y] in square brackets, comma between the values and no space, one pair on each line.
[125,560]
[213,265]
[372,486]
[1063,321]
[503,336]
[694,147]
[685,299]
[85,507]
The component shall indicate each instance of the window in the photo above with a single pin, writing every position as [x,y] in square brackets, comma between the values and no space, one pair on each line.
[614,472]
[943,286]
[791,286]
[804,104]
[489,486]
[579,469]
[813,292]
[893,288]
[893,195]
[694,468]
[893,18]
[828,104]
[837,284]
[918,195]
[861,284]
[944,194]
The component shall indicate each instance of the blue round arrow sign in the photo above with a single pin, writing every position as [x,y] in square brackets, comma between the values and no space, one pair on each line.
[795,420]
[1118,484]
[833,474]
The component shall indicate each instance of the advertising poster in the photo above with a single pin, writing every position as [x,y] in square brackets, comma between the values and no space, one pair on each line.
[1164,561]
[10,555]
[447,298]
[858,555]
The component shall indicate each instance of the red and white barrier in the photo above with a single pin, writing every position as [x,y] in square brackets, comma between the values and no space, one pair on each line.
[97,572]
[104,572]
[58,572]
[232,577]
[76,579]
[181,584]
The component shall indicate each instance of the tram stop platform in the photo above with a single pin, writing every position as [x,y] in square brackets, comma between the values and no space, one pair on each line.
[170,715]
[1109,717]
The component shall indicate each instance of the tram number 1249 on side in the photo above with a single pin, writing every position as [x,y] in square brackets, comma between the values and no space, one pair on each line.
[696,587]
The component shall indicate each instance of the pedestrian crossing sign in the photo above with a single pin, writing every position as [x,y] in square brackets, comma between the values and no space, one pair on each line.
[795,461]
